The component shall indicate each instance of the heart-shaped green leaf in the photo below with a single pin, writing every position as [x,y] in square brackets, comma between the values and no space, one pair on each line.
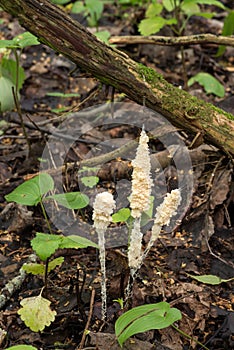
[90,181]
[45,244]
[30,192]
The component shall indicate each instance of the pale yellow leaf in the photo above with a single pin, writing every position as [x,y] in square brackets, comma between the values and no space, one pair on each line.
[36,313]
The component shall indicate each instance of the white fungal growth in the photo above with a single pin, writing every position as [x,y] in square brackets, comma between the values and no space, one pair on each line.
[164,213]
[168,208]
[134,250]
[139,200]
[103,207]
[141,178]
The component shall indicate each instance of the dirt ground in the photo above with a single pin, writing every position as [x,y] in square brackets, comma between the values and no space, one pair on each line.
[201,243]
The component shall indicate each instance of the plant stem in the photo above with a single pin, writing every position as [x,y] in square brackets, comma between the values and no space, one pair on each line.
[189,337]
[185,75]
[45,216]
[47,260]
[16,99]
[46,275]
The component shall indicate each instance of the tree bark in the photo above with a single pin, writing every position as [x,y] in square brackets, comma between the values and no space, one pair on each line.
[56,29]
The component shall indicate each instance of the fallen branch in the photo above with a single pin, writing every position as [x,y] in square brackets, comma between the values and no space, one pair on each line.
[15,284]
[56,29]
[173,41]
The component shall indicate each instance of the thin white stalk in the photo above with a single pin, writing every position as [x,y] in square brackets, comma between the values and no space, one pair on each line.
[103,206]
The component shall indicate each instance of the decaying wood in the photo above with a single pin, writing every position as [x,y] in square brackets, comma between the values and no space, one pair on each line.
[173,41]
[56,29]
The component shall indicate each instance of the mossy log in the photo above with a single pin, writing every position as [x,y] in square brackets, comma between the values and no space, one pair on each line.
[58,30]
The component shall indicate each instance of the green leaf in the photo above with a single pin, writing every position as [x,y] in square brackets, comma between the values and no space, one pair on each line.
[170,5]
[210,279]
[34,269]
[9,70]
[190,9]
[62,95]
[21,347]
[122,215]
[150,26]
[36,313]
[45,244]
[39,269]
[20,41]
[71,200]
[90,181]
[153,10]
[76,242]
[4,44]
[228,29]
[210,84]
[26,39]
[94,8]
[55,262]
[7,102]
[103,35]
[78,7]
[144,318]
[205,14]
[206,2]
[30,192]
[60,2]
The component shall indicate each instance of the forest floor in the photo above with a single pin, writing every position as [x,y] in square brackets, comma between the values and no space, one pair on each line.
[202,243]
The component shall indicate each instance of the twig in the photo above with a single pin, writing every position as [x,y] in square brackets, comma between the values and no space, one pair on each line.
[173,41]
[216,256]
[15,284]
[88,321]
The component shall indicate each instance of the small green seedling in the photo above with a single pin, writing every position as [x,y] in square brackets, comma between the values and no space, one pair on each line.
[12,74]
[144,318]
[91,9]
[33,192]
[45,245]
[89,180]
[120,301]
[35,311]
